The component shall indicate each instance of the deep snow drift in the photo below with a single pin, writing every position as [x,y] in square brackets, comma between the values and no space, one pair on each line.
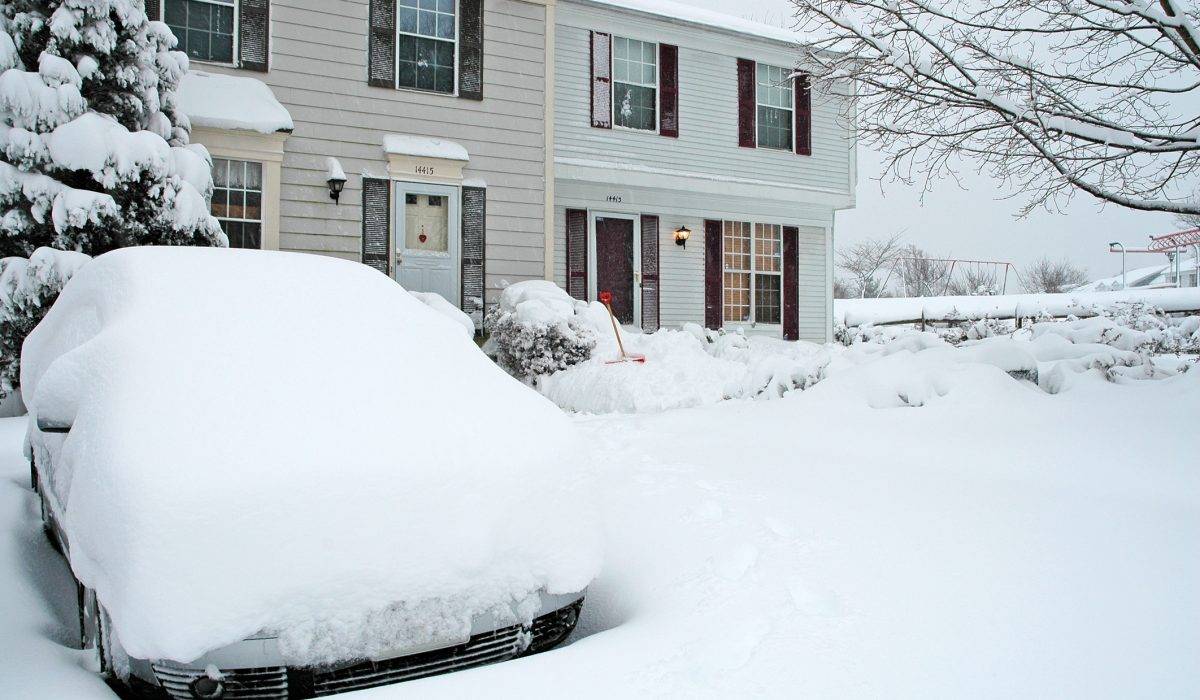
[335,462]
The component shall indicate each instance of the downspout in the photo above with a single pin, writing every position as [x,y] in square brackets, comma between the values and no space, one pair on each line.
[548,145]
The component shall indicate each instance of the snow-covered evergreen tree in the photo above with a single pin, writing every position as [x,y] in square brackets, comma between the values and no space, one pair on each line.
[94,154]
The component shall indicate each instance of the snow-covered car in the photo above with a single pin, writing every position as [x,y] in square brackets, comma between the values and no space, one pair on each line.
[281,475]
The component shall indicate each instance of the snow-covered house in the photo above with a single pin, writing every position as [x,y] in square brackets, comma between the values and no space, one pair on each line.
[434,110]
[674,122]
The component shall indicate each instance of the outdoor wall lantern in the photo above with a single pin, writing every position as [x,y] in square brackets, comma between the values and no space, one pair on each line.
[681,235]
[337,178]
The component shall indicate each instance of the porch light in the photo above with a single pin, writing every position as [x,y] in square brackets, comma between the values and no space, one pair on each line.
[337,178]
[682,234]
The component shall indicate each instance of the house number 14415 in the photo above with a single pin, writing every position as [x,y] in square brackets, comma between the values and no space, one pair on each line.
[423,169]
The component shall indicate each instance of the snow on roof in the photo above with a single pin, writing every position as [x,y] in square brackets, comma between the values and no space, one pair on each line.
[424,147]
[394,481]
[1141,277]
[231,102]
[710,18]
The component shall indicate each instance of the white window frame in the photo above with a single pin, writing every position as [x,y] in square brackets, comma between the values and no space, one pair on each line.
[396,54]
[791,110]
[612,71]
[753,322]
[262,196]
[237,31]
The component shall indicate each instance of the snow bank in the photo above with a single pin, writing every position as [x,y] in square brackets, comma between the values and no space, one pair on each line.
[857,312]
[231,102]
[683,368]
[303,448]
[438,303]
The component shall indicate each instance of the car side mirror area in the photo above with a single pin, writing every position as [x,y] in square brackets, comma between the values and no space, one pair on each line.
[53,425]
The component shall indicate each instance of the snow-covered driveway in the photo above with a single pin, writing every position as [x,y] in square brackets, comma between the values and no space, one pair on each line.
[996,542]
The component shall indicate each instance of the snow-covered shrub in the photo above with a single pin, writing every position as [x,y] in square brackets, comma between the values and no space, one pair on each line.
[94,154]
[27,290]
[534,330]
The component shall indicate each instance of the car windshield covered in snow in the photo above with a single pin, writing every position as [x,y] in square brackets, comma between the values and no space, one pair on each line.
[290,447]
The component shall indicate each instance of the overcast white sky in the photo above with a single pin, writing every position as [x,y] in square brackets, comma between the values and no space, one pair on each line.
[977,223]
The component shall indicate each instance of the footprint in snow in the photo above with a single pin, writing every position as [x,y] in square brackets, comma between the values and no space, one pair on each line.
[733,564]
[819,602]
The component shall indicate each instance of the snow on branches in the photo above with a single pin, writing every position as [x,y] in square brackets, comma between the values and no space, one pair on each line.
[94,153]
[1053,97]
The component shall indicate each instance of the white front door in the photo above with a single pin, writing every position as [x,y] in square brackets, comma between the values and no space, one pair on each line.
[427,239]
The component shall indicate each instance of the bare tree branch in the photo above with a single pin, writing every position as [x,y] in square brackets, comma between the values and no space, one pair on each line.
[1051,96]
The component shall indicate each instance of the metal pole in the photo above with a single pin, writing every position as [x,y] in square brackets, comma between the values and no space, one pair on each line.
[1122,247]
[1196,263]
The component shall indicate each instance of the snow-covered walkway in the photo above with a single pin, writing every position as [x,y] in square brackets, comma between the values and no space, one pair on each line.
[996,542]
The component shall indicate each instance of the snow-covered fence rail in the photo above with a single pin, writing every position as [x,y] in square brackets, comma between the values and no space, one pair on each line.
[859,312]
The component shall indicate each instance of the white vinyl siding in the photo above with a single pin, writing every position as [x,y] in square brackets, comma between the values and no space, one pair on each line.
[708,108]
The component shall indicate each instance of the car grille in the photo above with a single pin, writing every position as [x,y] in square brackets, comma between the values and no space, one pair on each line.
[262,683]
[481,649]
[279,682]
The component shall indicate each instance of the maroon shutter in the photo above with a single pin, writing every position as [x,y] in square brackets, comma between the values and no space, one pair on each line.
[713,317]
[153,10]
[577,284]
[601,80]
[470,49]
[791,283]
[381,44]
[254,35]
[803,94]
[668,86]
[747,107]
[650,287]
[376,224]
[474,253]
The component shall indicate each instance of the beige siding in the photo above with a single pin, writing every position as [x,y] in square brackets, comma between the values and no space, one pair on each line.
[319,72]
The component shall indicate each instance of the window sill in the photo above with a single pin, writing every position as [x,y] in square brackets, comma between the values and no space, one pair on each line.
[419,91]
[219,64]
[631,130]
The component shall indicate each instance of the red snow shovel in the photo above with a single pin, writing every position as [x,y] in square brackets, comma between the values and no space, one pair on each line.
[606,299]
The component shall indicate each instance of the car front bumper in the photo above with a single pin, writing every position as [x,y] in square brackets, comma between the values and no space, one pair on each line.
[254,667]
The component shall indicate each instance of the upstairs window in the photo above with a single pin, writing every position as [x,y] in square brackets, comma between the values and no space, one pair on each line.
[426,44]
[205,28]
[635,84]
[775,104]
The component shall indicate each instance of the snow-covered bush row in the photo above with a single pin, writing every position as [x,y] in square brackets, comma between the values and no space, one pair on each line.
[94,152]
[534,330]
[27,290]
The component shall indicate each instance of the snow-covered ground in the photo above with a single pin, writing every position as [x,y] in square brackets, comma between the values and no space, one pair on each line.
[995,541]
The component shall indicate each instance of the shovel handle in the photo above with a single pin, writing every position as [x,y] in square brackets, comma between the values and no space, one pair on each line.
[606,299]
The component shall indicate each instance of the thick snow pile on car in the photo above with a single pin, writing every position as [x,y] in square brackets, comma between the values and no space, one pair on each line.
[292,443]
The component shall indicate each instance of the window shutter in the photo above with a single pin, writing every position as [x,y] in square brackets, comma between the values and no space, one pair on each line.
[803,93]
[713,316]
[747,107]
[668,90]
[470,49]
[376,222]
[254,35]
[650,288]
[577,284]
[153,10]
[474,246]
[791,283]
[601,80]
[381,44]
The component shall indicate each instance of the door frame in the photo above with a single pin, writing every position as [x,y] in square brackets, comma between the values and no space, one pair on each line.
[453,194]
[637,258]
